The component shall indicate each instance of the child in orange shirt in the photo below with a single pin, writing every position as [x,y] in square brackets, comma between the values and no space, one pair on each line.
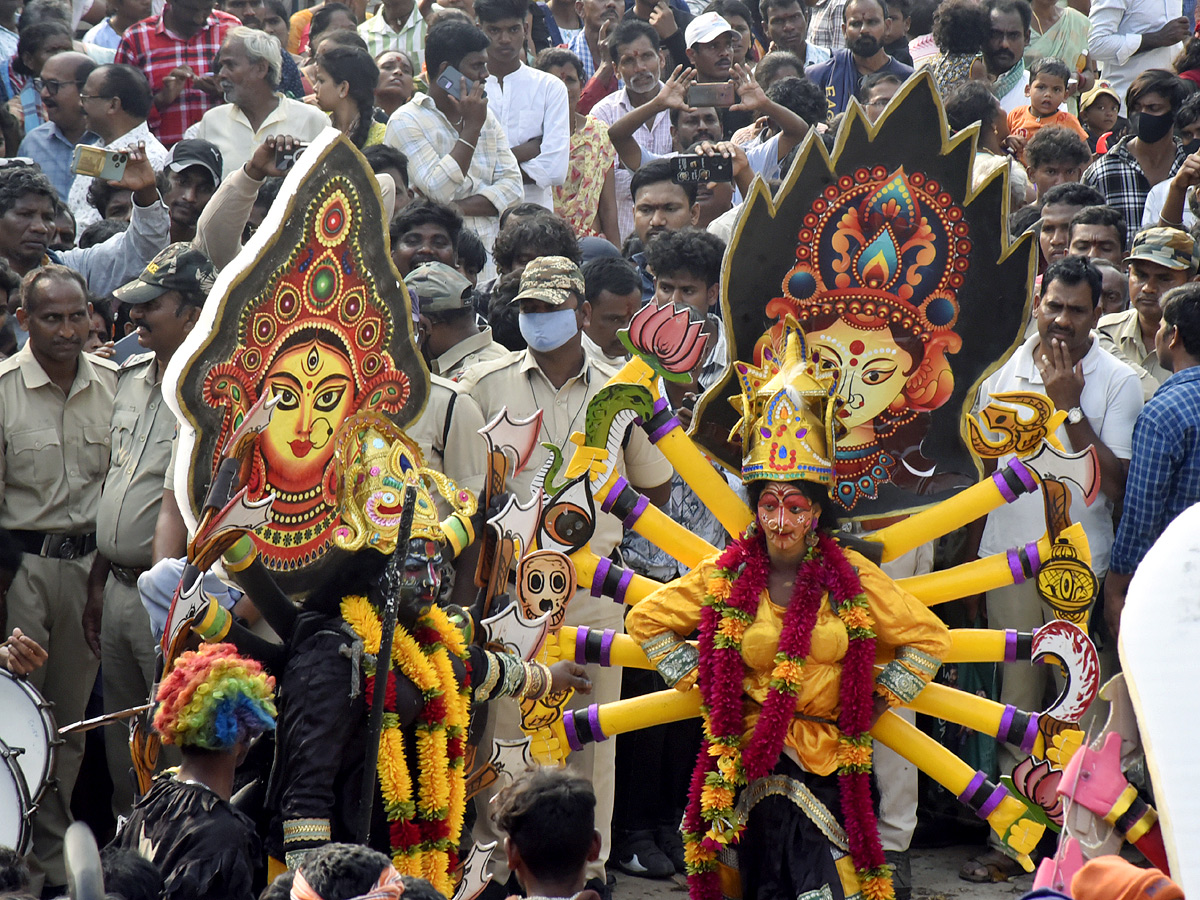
[1047,89]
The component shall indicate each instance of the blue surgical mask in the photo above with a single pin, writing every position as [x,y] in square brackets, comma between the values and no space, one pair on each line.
[547,331]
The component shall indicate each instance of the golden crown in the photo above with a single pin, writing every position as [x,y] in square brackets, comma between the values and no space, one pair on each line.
[376,462]
[788,408]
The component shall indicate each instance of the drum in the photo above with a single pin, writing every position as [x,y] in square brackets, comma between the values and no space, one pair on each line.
[15,805]
[27,728]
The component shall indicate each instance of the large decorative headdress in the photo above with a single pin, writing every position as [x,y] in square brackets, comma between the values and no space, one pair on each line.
[885,247]
[882,246]
[312,310]
[788,415]
[376,462]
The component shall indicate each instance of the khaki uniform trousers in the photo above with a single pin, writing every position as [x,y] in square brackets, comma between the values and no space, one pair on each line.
[895,775]
[127,650]
[595,762]
[46,602]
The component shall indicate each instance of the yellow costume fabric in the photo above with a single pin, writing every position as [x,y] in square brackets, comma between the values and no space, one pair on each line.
[900,621]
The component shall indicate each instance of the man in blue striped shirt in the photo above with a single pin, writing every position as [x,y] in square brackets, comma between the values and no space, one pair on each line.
[1164,473]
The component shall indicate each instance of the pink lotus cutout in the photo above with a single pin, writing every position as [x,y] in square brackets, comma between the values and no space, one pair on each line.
[1038,782]
[666,339]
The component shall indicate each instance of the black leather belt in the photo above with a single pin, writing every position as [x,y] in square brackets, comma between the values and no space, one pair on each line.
[127,575]
[55,546]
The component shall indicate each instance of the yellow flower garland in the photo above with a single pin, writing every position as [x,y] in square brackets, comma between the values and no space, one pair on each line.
[441,787]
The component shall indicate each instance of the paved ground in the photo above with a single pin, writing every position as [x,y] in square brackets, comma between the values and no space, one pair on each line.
[935,877]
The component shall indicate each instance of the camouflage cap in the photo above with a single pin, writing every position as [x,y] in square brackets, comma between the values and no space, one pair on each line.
[440,287]
[551,279]
[1168,247]
[180,267]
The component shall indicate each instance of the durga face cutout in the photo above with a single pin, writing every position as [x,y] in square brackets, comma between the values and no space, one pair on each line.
[315,385]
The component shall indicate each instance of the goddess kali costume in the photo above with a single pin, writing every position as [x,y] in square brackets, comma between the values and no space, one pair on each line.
[781,787]
[328,672]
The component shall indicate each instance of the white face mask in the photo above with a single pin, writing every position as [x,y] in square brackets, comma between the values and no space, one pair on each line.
[547,331]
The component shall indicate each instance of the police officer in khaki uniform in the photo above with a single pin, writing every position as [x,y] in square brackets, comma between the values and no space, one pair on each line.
[447,431]
[164,303]
[55,408]
[453,340]
[554,375]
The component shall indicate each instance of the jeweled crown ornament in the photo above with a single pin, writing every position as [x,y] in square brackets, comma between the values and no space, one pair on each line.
[375,463]
[788,407]
[890,253]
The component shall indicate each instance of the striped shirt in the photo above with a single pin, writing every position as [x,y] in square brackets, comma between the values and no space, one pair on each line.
[1164,473]
[380,36]
[420,131]
[654,136]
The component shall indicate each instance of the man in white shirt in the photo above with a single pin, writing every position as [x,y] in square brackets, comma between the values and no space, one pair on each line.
[107,33]
[248,75]
[116,100]
[457,151]
[531,105]
[1102,399]
[634,48]
[1128,37]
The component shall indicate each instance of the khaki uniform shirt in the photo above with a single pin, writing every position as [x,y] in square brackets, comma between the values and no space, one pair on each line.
[447,431]
[1121,335]
[55,447]
[143,428]
[475,349]
[517,382]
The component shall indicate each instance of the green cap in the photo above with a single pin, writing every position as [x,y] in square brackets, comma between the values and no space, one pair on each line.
[440,287]
[551,279]
[1168,247]
[181,267]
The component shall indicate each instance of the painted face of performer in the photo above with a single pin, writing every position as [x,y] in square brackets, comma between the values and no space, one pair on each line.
[872,371]
[785,515]
[422,571]
[315,386]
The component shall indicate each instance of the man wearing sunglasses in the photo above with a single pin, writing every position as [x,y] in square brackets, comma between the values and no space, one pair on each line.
[53,142]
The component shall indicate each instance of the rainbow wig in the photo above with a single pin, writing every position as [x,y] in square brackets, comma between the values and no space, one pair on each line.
[213,698]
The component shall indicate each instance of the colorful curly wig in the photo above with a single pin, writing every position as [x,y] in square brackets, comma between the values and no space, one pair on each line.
[212,698]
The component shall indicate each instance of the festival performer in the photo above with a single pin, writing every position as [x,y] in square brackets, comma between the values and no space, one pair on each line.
[327,685]
[789,625]
[211,705]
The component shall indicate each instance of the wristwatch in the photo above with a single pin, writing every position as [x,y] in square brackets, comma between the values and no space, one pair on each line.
[1074,415]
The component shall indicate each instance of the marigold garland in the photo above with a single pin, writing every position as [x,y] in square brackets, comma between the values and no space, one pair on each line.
[728,760]
[423,830]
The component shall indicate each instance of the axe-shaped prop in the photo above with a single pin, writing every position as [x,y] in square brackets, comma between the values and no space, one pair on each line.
[1006,484]
[510,443]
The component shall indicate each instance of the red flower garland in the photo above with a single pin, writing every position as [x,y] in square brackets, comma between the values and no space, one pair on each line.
[746,566]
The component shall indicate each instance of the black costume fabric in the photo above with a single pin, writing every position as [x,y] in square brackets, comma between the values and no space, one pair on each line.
[782,854]
[205,849]
[321,734]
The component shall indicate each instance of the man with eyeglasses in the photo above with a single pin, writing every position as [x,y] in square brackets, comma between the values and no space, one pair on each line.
[116,101]
[53,142]
[863,31]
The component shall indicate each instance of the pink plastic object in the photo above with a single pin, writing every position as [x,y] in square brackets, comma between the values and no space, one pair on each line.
[1055,872]
[1093,777]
